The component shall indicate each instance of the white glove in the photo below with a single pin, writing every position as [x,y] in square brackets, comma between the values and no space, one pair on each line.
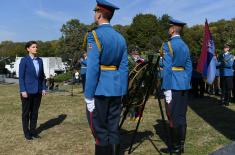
[90,104]
[168,96]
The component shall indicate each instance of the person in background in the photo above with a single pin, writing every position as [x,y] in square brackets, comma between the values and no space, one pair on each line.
[51,82]
[225,61]
[83,62]
[32,87]
[76,77]
[233,91]
[198,85]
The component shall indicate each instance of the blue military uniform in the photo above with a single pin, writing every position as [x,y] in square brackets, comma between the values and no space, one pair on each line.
[161,67]
[101,78]
[177,71]
[83,63]
[225,63]
[106,80]
[233,91]
[177,67]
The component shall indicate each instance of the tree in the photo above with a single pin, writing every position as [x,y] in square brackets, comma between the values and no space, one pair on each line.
[123,30]
[72,39]
[164,26]
[143,28]
[194,38]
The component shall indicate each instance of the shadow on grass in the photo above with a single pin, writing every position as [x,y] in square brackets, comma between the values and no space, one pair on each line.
[51,123]
[219,117]
[126,137]
[162,130]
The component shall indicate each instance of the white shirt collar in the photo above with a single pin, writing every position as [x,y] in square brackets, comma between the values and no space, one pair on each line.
[32,57]
[226,53]
[176,35]
[105,24]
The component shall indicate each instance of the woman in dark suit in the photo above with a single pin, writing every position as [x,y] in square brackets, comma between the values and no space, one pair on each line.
[32,87]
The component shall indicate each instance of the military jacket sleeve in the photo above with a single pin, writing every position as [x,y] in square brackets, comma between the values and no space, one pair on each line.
[93,64]
[123,69]
[228,60]
[167,65]
[188,65]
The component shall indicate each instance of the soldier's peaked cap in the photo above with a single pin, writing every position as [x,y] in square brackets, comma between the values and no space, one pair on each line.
[105,6]
[173,21]
[226,45]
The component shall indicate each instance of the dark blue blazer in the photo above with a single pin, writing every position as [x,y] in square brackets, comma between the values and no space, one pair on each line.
[29,81]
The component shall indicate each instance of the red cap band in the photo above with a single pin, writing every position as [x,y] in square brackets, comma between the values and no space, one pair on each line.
[104,9]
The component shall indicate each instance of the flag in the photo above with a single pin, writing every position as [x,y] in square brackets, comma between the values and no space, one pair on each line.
[207,62]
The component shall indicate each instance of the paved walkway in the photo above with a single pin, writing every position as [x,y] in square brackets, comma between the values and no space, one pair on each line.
[5,80]
[226,150]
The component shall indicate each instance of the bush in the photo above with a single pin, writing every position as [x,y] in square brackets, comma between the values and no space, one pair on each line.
[63,77]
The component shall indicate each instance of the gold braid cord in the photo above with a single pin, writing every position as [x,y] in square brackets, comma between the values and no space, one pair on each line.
[84,42]
[170,48]
[84,45]
[97,40]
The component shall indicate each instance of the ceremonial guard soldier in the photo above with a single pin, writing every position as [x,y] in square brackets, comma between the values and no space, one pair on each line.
[177,71]
[225,61]
[106,80]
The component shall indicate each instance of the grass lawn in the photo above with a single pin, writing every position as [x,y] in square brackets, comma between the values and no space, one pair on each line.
[64,129]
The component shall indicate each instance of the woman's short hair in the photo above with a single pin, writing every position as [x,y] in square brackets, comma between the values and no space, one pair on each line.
[29,43]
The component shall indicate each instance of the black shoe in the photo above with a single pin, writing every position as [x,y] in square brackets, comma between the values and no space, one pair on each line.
[28,137]
[169,151]
[165,150]
[36,136]
[178,151]
[103,150]
[34,133]
[115,149]
[222,103]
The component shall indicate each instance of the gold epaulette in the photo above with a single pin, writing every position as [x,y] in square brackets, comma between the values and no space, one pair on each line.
[170,48]
[161,49]
[84,45]
[85,41]
[97,40]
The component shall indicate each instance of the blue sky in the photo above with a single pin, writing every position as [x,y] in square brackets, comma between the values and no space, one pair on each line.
[23,20]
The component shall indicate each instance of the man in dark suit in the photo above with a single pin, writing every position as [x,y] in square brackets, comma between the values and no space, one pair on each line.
[32,87]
